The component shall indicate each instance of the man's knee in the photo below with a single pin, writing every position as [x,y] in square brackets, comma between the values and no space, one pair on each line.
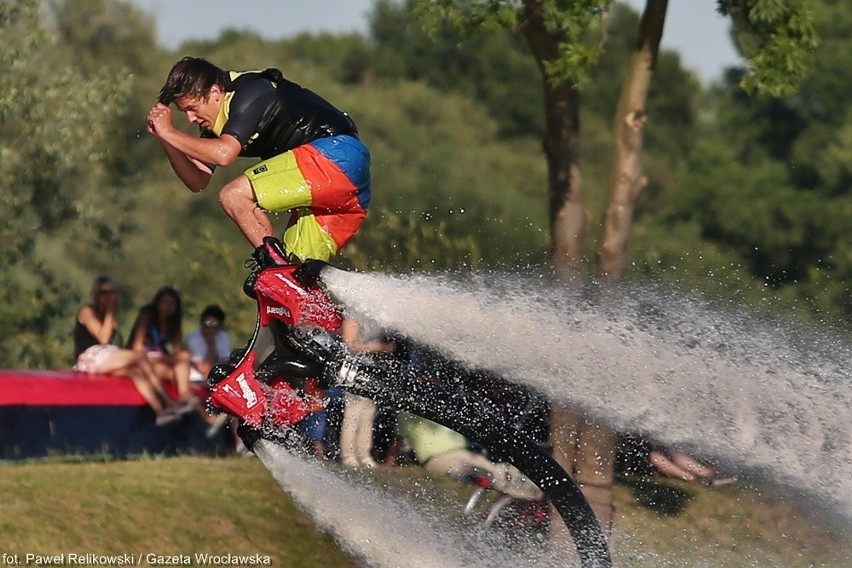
[236,194]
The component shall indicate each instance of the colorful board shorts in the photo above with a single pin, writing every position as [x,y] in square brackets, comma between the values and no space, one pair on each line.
[326,187]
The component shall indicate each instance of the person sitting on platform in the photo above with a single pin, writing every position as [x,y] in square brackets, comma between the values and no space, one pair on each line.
[157,333]
[95,329]
[208,345]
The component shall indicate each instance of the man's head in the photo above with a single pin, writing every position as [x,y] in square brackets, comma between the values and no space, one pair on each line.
[197,87]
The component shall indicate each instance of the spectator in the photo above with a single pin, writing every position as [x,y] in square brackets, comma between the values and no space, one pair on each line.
[95,329]
[208,345]
[639,455]
[443,451]
[157,333]
[678,464]
[315,425]
[356,431]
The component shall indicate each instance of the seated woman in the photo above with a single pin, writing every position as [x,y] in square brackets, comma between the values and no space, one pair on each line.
[157,333]
[94,330]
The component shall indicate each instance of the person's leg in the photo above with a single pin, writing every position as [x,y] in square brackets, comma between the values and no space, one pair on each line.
[120,359]
[181,365]
[125,362]
[238,200]
[504,477]
[315,432]
[667,467]
[687,462]
[146,391]
[137,362]
[453,463]
[148,371]
[587,452]
[348,428]
[364,433]
[164,369]
[326,187]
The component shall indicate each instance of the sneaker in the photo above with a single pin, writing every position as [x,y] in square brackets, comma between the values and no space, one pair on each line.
[719,481]
[183,409]
[243,451]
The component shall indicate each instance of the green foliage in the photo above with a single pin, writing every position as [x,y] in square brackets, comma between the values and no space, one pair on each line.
[777,37]
[768,183]
[576,27]
[487,65]
[410,243]
[748,197]
[54,136]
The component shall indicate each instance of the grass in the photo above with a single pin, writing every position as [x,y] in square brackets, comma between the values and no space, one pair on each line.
[189,505]
[179,506]
[729,526]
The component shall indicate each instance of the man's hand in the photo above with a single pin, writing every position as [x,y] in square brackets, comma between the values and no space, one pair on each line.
[159,120]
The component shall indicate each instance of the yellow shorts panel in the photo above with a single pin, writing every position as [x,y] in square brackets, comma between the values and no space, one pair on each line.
[279,184]
[305,238]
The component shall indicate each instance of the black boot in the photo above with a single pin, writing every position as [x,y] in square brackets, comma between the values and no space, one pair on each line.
[270,253]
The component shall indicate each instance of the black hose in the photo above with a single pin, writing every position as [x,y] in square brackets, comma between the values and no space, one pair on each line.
[392,383]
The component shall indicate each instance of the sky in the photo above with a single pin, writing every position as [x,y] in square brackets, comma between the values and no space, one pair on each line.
[693,28]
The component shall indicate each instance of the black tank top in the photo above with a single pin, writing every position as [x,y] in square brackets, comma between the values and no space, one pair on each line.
[82,338]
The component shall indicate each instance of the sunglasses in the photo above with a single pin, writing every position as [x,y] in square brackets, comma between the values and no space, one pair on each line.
[211,324]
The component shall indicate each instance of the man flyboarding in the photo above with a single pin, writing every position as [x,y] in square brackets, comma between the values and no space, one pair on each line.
[313,163]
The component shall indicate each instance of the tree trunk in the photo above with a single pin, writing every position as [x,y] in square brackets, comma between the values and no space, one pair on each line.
[585,448]
[628,179]
[569,217]
[574,444]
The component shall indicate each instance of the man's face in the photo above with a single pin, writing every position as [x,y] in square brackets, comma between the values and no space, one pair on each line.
[210,327]
[201,110]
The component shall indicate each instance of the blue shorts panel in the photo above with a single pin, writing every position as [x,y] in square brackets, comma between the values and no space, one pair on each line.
[353,158]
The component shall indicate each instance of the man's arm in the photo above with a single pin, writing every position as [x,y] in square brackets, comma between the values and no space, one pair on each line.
[187,154]
[194,175]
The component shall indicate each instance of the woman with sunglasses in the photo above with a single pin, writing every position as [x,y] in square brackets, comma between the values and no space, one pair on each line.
[95,329]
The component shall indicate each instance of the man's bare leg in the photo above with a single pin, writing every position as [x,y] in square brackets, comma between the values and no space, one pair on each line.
[238,200]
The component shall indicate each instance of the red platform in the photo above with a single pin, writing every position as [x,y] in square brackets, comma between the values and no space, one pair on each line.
[66,412]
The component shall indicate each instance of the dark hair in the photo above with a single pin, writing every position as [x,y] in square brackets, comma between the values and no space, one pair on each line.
[175,322]
[176,318]
[213,311]
[191,76]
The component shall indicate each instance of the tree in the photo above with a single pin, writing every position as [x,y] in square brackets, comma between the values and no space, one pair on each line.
[564,37]
[565,40]
[769,184]
[54,125]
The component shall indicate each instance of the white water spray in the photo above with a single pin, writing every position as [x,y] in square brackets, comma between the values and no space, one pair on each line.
[380,530]
[718,385]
